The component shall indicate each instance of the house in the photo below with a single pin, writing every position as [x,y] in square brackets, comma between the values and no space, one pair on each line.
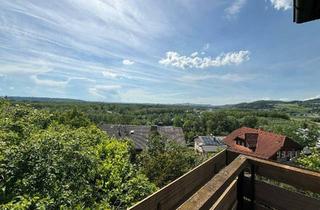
[139,134]
[206,144]
[262,144]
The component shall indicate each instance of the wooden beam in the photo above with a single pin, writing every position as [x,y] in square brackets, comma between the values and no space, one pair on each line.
[297,177]
[210,192]
[178,191]
[306,10]
[240,189]
[280,198]
[252,187]
[227,199]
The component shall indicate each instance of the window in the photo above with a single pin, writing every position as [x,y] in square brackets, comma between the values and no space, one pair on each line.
[283,154]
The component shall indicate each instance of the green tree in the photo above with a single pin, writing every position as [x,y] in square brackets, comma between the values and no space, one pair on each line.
[48,165]
[166,160]
[310,161]
[250,121]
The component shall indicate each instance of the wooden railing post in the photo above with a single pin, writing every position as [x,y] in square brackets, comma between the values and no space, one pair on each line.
[240,190]
[252,186]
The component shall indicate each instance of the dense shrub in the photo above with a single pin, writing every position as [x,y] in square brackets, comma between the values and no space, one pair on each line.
[50,163]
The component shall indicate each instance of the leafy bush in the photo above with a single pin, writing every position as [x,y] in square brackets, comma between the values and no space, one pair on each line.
[48,165]
[310,161]
[166,160]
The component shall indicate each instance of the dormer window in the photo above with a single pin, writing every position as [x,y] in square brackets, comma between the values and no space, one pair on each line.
[251,140]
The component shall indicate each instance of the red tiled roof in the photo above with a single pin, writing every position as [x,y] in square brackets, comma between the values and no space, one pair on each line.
[267,143]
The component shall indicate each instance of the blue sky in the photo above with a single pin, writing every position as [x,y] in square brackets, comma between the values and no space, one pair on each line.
[168,51]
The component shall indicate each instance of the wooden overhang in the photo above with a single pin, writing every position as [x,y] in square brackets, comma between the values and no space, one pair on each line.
[306,10]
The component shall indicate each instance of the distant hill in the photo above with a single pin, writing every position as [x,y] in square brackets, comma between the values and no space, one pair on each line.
[261,104]
[41,99]
[271,104]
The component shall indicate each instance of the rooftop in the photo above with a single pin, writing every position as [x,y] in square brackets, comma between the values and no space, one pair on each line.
[267,143]
[209,140]
[139,134]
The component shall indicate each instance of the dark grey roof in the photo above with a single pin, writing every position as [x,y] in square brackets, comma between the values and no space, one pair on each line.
[209,140]
[139,134]
[172,133]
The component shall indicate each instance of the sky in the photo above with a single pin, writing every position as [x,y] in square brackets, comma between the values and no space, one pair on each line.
[169,51]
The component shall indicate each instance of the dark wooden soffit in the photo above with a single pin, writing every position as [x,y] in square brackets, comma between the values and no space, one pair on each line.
[306,10]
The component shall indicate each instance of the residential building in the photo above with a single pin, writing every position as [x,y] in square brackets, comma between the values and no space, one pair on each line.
[139,134]
[204,144]
[262,144]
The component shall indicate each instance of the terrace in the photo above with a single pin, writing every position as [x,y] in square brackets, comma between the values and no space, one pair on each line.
[232,181]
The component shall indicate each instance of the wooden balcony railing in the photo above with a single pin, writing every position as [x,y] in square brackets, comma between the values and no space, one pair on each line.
[228,181]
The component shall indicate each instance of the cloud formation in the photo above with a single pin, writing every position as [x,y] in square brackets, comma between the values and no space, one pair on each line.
[224,77]
[235,8]
[110,74]
[183,62]
[102,90]
[281,4]
[49,82]
[127,62]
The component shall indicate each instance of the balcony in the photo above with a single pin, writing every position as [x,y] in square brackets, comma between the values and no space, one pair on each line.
[231,181]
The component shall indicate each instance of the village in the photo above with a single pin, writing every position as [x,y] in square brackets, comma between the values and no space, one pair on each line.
[248,141]
[159,105]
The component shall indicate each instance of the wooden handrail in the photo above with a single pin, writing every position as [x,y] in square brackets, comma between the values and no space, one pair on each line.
[297,177]
[204,188]
[280,198]
[210,192]
[178,191]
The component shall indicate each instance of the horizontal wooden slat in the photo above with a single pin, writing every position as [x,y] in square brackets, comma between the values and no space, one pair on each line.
[178,191]
[247,206]
[210,192]
[298,177]
[231,155]
[227,199]
[261,207]
[281,198]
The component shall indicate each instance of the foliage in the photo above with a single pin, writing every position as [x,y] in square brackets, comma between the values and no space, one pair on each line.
[304,132]
[166,160]
[310,161]
[52,161]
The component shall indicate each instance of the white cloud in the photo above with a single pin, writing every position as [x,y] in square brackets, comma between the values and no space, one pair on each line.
[235,8]
[23,66]
[224,77]
[311,98]
[194,54]
[11,88]
[101,90]
[49,82]
[127,62]
[180,61]
[281,4]
[110,74]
